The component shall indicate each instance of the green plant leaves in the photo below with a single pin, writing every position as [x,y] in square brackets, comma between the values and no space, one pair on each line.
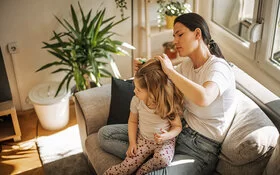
[81,45]
[171,8]
[75,20]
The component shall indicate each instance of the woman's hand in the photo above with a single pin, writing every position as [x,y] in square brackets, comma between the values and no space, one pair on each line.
[161,137]
[166,63]
[131,151]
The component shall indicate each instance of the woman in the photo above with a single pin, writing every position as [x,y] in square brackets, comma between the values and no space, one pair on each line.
[208,84]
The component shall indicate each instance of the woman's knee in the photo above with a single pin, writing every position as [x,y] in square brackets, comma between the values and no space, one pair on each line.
[103,135]
[110,133]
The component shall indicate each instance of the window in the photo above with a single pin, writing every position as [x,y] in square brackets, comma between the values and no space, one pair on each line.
[234,16]
[248,32]
[268,54]
[276,45]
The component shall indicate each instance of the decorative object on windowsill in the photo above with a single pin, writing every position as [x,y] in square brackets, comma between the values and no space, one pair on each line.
[84,49]
[169,10]
[170,50]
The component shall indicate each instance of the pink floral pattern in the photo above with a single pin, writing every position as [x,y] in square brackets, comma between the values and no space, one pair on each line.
[162,156]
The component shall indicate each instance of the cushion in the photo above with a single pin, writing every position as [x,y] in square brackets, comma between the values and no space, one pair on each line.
[273,164]
[251,135]
[99,159]
[122,92]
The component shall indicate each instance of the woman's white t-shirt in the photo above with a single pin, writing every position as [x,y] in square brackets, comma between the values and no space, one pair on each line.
[214,120]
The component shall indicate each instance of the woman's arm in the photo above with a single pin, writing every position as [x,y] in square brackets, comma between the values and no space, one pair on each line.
[201,95]
[176,128]
[132,134]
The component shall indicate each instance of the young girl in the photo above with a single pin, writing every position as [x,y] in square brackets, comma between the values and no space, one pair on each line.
[154,121]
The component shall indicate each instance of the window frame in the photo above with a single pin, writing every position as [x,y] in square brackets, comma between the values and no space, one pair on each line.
[257,66]
[231,42]
[265,47]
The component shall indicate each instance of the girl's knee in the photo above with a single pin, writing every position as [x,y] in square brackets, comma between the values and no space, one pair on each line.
[165,161]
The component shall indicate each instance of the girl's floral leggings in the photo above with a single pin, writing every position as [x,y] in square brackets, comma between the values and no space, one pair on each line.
[162,156]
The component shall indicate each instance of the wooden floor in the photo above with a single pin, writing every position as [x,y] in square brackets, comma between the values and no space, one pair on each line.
[22,157]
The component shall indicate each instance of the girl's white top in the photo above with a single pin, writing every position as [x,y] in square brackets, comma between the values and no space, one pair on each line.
[148,122]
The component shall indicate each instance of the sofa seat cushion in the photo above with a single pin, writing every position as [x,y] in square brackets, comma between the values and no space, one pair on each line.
[251,137]
[99,159]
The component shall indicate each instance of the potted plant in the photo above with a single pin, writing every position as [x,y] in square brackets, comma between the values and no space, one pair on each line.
[82,49]
[169,10]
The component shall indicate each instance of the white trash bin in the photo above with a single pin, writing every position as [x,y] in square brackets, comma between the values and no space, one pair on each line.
[53,112]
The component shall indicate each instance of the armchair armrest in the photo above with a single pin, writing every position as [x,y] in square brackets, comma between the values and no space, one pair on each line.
[92,110]
[95,105]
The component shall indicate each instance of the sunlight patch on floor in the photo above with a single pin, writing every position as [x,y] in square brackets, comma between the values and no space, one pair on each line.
[59,145]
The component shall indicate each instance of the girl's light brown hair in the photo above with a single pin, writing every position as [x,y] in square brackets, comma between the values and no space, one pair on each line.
[162,92]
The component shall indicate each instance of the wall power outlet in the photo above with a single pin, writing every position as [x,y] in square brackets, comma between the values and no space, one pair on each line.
[13,48]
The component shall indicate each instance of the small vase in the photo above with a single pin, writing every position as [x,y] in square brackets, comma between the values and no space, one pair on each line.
[171,53]
[170,50]
[170,21]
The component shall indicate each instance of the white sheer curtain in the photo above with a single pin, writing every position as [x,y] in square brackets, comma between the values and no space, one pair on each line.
[243,9]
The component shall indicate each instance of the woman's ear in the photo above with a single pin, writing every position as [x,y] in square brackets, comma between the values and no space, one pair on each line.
[198,33]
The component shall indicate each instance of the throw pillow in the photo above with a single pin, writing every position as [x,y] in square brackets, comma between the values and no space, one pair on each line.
[121,94]
[251,135]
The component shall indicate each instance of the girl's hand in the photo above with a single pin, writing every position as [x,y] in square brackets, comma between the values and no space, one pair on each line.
[166,63]
[161,137]
[131,151]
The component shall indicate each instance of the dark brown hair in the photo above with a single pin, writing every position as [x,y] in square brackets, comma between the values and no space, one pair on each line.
[194,21]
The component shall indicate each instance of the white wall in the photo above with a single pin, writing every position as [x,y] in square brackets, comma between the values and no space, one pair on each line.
[28,23]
